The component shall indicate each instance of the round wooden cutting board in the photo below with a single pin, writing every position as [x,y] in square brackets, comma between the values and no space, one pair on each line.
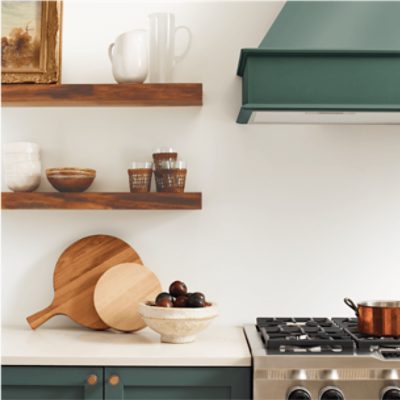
[76,274]
[120,290]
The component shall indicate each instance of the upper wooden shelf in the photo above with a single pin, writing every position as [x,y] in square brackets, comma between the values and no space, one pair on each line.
[118,95]
[100,201]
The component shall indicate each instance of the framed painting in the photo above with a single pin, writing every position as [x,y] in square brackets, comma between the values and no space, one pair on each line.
[31,41]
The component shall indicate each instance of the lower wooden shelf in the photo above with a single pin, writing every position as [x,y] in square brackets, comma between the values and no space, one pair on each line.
[100,201]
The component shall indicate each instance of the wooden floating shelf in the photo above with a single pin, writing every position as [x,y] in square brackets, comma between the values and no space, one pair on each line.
[118,95]
[100,201]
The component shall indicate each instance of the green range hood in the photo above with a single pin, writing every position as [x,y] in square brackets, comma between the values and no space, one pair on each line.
[325,61]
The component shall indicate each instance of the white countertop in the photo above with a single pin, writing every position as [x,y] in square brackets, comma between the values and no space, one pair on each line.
[216,346]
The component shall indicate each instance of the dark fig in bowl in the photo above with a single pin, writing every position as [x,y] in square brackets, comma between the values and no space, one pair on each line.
[196,300]
[181,301]
[177,289]
[163,295]
[165,302]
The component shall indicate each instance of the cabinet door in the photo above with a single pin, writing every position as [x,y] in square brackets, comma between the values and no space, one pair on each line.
[45,383]
[177,383]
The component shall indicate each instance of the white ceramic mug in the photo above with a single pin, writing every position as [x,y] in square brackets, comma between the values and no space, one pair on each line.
[162,46]
[128,55]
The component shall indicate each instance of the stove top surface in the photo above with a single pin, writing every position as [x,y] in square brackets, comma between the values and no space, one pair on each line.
[389,346]
[322,336]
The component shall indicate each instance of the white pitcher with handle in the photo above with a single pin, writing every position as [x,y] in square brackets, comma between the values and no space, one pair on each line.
[162,46]
[129,57]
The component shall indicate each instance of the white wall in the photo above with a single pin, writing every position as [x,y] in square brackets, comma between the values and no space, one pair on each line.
[294,219]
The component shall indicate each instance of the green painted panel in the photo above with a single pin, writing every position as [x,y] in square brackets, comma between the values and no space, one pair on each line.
[329,81]
[176,393]
[30,383]
[69,383]
[29,392]
[179,383]
[325,56]
[328,25]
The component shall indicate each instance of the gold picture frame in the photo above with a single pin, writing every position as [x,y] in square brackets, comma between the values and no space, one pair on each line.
[27,58]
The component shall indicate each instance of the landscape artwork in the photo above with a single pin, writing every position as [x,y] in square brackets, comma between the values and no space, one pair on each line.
[20,35]
[30,41]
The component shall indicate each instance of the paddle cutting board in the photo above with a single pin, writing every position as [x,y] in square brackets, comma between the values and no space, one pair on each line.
[120,290]
[76,274]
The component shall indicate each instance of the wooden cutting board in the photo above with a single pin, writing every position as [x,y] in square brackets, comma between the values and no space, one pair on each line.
[76,274]
[120,290]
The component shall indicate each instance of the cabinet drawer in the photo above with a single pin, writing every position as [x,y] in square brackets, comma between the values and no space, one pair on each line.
[45,383]
[177,383]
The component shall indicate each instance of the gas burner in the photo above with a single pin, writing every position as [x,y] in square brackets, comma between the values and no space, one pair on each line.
[304,335]
[389,347]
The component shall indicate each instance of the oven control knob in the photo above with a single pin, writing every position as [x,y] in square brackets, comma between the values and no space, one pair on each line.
[331,393]
[391,393]
[299,393]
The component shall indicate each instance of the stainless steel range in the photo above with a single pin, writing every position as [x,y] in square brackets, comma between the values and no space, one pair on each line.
[322,359]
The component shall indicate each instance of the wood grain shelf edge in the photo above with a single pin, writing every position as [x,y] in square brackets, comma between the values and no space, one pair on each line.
[118,95]
[101,201]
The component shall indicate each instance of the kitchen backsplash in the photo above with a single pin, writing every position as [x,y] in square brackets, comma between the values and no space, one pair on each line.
[294,218]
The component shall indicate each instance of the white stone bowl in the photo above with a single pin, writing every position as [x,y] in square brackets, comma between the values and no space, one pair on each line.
[177,325]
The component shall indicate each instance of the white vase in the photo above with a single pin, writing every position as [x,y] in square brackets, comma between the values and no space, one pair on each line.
[128,55]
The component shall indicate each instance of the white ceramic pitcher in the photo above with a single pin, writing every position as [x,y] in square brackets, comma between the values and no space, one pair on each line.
[162,46]
[129,57]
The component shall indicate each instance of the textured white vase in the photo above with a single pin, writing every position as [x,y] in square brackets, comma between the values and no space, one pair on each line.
[22,166]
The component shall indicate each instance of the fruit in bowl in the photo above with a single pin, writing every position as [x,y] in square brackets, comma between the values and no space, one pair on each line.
[178,316]
[177,324]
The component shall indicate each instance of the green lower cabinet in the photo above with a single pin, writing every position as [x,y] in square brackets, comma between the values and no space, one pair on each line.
[175,383]
[125,383]
[51,383]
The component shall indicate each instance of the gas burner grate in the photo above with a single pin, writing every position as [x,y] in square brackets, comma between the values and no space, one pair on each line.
[388,346]
[393,355]
[304,335]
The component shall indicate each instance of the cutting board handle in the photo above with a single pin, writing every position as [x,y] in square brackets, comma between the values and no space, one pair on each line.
[39,318]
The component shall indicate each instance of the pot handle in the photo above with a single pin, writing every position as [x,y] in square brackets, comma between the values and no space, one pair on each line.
[351,304]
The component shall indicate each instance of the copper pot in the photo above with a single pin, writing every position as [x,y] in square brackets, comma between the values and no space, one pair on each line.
[377,318]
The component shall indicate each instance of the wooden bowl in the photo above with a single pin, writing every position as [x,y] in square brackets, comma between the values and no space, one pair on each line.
[71,171]
[177,325]
[70,179]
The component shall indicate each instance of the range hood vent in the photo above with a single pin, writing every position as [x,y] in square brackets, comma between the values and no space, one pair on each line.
[325,62]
